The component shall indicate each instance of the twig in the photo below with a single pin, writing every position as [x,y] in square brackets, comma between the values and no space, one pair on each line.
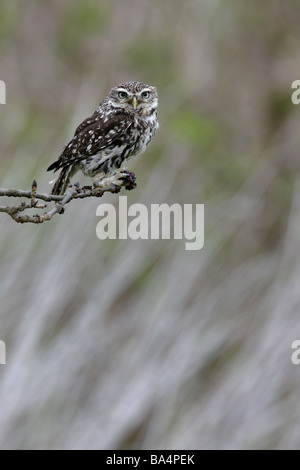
[33,193]
[73,192]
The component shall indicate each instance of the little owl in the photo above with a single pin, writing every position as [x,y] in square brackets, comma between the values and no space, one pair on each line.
[121,127]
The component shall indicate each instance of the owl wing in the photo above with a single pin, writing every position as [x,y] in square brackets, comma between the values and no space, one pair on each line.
[86,123]
[93,135]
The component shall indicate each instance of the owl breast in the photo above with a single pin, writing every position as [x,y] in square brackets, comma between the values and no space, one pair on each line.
[133,143]
[142,133]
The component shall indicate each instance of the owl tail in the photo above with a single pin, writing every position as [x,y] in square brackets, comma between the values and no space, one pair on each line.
[62,182]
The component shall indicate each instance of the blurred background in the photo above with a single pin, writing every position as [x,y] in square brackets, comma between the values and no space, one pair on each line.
[141,344]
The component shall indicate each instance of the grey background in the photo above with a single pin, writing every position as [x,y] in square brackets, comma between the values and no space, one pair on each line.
[141,344]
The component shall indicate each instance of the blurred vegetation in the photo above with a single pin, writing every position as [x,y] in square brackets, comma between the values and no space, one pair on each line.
[140,344]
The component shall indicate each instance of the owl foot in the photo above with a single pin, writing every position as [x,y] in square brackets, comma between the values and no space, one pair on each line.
[112,188]
[128,178]
[123,178]
[86,188]
[76,187]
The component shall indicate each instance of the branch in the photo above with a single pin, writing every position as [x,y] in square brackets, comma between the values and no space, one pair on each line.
[73,192]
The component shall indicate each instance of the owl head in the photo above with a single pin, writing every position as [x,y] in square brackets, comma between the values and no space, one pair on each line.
[135,97]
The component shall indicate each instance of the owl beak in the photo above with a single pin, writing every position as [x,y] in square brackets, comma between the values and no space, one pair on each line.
[134,102]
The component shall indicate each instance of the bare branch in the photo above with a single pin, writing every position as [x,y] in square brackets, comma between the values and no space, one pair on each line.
[73,192]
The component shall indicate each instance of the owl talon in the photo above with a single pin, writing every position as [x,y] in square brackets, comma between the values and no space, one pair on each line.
[129,180]
[131,186]
[117,188]
[112,187]
[76,187]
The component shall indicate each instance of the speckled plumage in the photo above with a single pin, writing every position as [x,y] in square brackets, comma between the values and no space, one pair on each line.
[121,128]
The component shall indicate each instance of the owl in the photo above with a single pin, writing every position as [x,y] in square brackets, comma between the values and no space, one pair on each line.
[120,128]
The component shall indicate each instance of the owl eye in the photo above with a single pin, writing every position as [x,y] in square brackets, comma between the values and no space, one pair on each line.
[122,95]
[146,94]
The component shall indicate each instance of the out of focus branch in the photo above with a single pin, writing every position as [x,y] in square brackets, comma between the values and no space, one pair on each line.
[73,192]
